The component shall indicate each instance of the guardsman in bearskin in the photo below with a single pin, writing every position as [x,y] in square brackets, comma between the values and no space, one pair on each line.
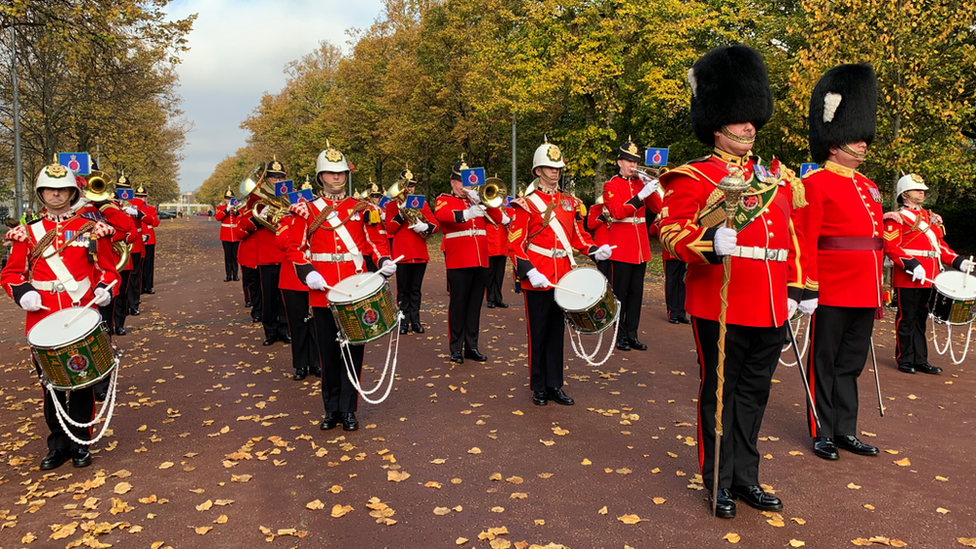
[61,260]
[731,101]
[410,227]
[542,236]
[497,255]
[914,241]
[598,223]
[465,245]
[332,231]
[628,198]
[151,221]
[227,216]
[842,228]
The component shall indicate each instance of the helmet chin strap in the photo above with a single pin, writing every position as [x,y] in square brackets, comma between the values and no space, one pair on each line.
[847,148]
[738,139]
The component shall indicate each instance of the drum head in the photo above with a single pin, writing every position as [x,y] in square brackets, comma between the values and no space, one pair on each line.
[51,331]
[586,280]
[347,287]
[950,284]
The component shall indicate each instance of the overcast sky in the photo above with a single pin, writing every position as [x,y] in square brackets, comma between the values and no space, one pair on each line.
[238,51]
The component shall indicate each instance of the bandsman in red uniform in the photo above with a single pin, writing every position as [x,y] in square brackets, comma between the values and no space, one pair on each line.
[598,223]
[465,245]
[674,279]
[410,227]
[148,238]
[628,199]
[544,232]
[497,256]
[914,241]
[329,239]
[141,217]
[60,260]
[375,217]
[269,258]
[227,216]
[247,258]
[842,229]
[294,296]
[731,101]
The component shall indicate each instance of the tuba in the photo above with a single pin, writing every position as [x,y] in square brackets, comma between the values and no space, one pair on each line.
[259,193]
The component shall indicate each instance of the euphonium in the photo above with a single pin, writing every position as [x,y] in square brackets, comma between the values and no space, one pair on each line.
[275,207]
[398,192]
[124,249]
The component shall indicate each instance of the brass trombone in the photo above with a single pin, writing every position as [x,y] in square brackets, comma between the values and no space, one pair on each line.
[492,195]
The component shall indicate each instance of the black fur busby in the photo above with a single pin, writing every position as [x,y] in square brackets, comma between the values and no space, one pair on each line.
[843,109]
[729,85]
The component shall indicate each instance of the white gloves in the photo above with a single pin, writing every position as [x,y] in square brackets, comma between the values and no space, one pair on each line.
[808,306]
[131,211]
[505,219]
[31,301]
[602,253]
[473,212]
[102,297]
[314,281]
[918,273]
[420,227]
[145,238]
[473,196]
[724,243]
[537,279]
[650,185]
[388,269]
[966,266]
[791,306]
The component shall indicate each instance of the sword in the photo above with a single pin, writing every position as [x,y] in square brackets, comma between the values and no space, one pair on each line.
[877,382]
[803,375]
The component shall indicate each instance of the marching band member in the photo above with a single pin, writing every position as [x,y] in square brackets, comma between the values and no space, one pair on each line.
[58,261]
[598,223]
[132,237]
[627,199]
[294,295]
[465,245]
[410,241]
[269,259]
[731,101]
[375,217]
[141,217]
[227,215]
[674,280]
[542,237]
[148,238]
[842,228]
[333,232]
[247,258]
[497,258]
[914,240]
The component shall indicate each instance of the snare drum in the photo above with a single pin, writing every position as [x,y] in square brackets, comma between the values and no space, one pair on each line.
[369,313]
[592,312]
[953,299]
[75,356]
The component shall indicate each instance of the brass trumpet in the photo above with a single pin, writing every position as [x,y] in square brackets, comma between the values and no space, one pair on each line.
[275,207]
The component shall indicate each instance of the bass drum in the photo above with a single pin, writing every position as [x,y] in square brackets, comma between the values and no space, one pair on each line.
[953,299]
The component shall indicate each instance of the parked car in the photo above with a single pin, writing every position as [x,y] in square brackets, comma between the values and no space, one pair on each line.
[167,214]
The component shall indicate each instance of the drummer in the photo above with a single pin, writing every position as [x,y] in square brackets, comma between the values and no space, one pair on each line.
[913,239]
[542,236]
[60,260]
[333,230]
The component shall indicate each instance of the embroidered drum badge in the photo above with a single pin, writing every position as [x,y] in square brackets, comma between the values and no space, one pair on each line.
[600,314]
[370,316]
[77,363]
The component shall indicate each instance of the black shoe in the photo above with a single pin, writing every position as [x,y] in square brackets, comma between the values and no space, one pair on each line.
[134,312]
[673,320]
[54,459]
[404,328]
[755,497]
[349,422]
[330,421]
[81,457]
[684,320]
[237,278]
[491,304]
[457,357]
[623,345]
[253,319]
[824,448]
[928,369]
[724,504]
[150,291]
[473,354]
[634,344]
[317,372]
[540,398]
[120,331]
[226,279]
[285,339]
[268,341]
[557,395]
[501,305]
[247,304]
[907,368]
[855,446]
[417,328]
[299,375]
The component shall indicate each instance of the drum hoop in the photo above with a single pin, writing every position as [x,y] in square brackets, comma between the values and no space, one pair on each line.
[101,322]
[603,295]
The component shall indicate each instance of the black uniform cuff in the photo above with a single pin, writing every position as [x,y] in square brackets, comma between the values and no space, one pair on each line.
[19,291]
[809,294]
[398,218]
[910,263]
[303,271]
[795,293]
[709,236]
[522,267]
[636,202]
[382,261]
[592,251]
[957,263]
[459,217]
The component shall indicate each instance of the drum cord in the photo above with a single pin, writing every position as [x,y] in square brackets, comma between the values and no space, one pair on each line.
[110,405]
[948,343]
[599,342]
[806,343]
[387,366]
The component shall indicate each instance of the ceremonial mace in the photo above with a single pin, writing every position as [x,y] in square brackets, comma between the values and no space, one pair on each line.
[733,185]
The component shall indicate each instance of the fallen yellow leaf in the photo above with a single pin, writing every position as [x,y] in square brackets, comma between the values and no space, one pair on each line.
[500,543]
[732,537]
[202,529]
[460,541]
[942,510]
[904,462]
[968,542]
[658,501]
[122,488]
[629,519]
[441,511]
[474,450]
[335,489]
[514,480]
[559,431]
[205,506]
[314,505]
[853,486]
[65,530]
[497,509]
[586,462]
[603,510]
[166,465]
[339,511]
[222,519]
[796,543]
[397,476]
[432,484]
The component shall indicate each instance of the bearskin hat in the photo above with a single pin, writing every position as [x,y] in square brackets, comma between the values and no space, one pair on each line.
[843,109]
[729,85]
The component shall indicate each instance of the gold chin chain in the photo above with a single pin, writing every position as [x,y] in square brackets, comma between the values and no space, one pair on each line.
[738,139]
[846,148]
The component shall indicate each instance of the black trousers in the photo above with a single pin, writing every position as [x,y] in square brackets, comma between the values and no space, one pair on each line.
[134,291]
[272,312]
[467,290]
[230,259]
[304,353]
[338,394]
[546,332]
[628,287]
[674,287]
[121,300]
[605,268]
[751,356]
[839,346]
[496,278]
[148,268]
[80,405]
[410,282]
[252,290]
[913,315]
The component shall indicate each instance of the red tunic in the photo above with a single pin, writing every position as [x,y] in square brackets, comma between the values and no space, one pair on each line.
[842,232]
[228,220]
[916,235]
[150,228]
[406,242]
[597,223]
[247,251]
[758,288]
[465,243]
[498,236]
[628,229]
[288,278]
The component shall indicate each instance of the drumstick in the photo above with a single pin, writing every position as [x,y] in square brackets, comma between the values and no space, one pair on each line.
[45,308]
[334,289]
[374,275]
[89,304]
[581,294]
[969,270]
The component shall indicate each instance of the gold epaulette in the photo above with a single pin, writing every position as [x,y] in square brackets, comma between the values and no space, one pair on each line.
[796,186]
[811,172]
